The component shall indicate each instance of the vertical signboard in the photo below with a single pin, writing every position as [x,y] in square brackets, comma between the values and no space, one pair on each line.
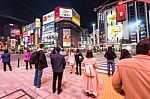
[121,13]
[66,38]
[57,17]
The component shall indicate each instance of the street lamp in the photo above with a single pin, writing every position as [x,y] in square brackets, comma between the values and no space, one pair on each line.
[94,34]
[137,24]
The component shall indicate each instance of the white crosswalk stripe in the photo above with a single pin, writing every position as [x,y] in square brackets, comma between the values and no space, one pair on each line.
[102,65]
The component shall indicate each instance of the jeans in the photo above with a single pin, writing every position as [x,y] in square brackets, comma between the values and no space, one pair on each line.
[8,63]
[112,63]
[55,75]
[78,64]
[37,78]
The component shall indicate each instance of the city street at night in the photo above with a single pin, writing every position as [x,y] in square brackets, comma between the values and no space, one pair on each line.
[74,49]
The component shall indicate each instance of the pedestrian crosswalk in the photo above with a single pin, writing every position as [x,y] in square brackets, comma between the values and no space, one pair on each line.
[102,65]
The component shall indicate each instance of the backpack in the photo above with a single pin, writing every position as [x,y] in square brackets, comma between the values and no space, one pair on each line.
[89,70]
[34,57]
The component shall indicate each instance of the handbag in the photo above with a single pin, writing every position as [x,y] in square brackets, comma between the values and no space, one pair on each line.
[24,60]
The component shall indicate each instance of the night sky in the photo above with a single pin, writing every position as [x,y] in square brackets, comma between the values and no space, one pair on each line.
[28,10]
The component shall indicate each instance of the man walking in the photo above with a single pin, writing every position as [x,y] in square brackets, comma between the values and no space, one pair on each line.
[39,66]
[58,65]
[131,78]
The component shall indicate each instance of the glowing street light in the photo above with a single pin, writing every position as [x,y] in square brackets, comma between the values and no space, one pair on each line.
[137,24]
[94,34]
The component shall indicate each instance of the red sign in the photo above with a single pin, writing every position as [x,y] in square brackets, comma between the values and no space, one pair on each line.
[44,18]
[15,31]
[121,13]
[57,16]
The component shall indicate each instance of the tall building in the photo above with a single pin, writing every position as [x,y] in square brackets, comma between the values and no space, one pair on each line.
[123,24]
[31,34]
[61,27]
[8,28]
[11,36]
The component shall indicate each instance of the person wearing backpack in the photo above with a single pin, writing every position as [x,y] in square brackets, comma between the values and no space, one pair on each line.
[110,55]
[78,58]
[90,78]
[39,66]
[27,59]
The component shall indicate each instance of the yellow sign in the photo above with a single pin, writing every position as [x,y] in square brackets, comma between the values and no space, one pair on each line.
[76,20]
[37,22]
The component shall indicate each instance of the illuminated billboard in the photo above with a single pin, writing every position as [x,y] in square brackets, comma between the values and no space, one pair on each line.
[115,29]
[50,17]
[15,31]
[66,13]
[66,38]
[121,13]
[75,17]
[62,12]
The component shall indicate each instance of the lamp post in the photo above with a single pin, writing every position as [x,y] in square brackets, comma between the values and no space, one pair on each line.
[138,24]
[94,34]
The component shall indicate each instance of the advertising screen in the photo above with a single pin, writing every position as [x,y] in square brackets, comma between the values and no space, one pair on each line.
[75,17]
[15,32]
[50,17]
[63,12]
[66,38]
[115,31]
[48,27]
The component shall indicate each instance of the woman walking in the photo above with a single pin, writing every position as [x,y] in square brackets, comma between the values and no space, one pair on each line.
[90,77]
[71,61]
[6,59]
[78,58]
[27,58]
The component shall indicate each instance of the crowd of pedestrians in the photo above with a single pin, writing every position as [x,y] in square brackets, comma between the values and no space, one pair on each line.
[130,78]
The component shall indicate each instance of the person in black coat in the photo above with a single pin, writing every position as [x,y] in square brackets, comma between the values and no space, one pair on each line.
[78,58]
[110,55]
[58,65]
[39,66]
[6,59]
